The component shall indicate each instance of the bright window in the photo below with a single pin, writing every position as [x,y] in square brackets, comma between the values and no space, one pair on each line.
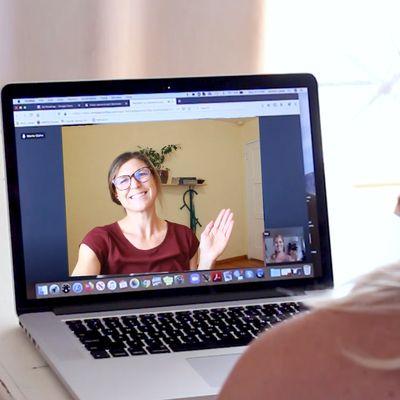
[353,48]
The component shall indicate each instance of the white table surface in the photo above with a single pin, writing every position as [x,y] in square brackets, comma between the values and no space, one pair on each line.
[23,372]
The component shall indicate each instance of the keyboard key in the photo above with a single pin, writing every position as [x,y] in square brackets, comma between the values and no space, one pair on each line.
[137,351]
[100,354]
[118,353]
[158,349]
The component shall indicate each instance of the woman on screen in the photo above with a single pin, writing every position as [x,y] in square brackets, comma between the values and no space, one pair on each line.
[279,255]
[141,241]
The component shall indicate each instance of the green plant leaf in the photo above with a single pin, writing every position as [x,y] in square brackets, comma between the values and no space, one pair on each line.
[158,158]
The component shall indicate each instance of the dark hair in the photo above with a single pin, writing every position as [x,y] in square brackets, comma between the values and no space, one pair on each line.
[292,246]
[122,159]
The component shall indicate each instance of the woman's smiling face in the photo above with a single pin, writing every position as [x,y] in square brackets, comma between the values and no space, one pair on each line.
[278,243]
[140,196]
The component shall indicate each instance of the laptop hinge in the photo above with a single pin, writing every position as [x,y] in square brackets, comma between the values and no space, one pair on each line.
[176,301]
[97,307]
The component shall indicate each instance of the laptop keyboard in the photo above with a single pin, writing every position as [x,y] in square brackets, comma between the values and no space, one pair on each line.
[134,335]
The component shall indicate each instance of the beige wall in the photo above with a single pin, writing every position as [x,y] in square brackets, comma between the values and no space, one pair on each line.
[211,149]
[250,130]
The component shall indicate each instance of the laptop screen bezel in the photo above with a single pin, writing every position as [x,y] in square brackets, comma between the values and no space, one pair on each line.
[202,294]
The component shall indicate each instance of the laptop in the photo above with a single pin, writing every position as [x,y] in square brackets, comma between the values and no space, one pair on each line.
[148,327]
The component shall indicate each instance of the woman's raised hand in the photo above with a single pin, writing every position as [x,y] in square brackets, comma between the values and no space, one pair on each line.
[214,238]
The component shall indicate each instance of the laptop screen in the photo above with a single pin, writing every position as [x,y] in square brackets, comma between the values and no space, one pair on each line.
[125,192]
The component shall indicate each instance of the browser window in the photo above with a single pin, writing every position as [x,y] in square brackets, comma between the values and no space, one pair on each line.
[247,151]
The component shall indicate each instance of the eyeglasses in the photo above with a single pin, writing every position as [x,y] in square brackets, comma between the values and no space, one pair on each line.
[123,182]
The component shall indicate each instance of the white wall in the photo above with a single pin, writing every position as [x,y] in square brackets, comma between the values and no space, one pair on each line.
[90,39]
[352,47]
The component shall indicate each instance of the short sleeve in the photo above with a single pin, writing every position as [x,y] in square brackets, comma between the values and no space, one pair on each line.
[97,239]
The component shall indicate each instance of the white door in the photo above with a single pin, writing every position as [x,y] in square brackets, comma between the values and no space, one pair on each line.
[254,200]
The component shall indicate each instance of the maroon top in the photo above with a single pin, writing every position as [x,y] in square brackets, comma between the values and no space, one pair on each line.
[117,255]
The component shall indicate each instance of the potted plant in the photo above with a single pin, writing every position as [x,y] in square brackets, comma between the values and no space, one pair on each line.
[157,158]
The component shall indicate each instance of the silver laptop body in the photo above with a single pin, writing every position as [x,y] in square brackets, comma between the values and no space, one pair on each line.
[250,143]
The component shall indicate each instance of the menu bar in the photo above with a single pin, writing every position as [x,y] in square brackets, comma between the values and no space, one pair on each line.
[156,95]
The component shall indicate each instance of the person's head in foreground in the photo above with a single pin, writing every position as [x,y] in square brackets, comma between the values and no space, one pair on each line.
[347,348]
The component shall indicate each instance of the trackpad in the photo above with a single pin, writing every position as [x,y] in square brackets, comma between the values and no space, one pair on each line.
[214,369]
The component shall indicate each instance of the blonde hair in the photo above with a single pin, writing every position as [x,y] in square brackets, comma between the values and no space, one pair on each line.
[377,292]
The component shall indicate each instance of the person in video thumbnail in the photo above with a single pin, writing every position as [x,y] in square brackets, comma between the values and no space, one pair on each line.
[279,254]
[292,251]
[142,242]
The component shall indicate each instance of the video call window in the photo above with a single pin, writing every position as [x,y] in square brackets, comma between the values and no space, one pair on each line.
[284,245]
[211,150]
[230,163]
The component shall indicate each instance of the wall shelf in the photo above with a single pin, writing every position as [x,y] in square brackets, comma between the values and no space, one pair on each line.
[184,185]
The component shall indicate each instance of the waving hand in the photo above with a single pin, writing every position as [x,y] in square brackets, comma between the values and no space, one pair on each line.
[214,238]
